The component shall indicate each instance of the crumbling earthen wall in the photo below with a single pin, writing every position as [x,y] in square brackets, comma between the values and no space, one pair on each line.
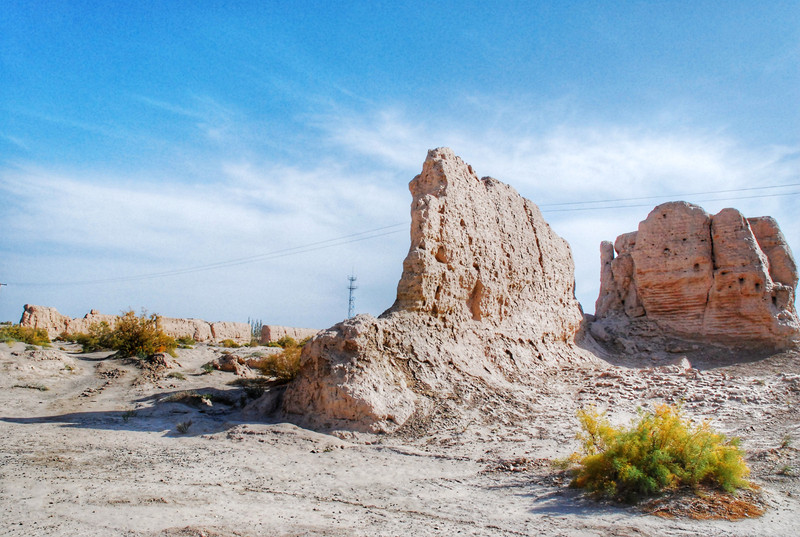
[271,333]
[201,331]
[722,278]
[486,300]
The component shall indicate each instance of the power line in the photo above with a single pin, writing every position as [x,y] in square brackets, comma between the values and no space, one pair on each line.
[384,231]
[311,247]
[678,196]
[670,195]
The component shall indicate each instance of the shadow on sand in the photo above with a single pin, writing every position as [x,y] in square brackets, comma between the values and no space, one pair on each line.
[174,413]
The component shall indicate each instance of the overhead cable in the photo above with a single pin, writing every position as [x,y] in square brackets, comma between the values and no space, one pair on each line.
[671,195]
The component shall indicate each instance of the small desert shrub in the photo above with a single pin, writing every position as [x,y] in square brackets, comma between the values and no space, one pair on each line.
[229,344]
[662,451]
[141,336]
[284,366]
[284,342]
[188,397]
[99,337]
[31,336]
[183,427]
[176,375]
[132,335]
[186,341]
[207,368]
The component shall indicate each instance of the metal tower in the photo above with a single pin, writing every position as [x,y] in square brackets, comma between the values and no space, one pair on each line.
[351,306]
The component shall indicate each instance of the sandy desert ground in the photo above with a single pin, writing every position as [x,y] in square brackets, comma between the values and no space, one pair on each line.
[98,453]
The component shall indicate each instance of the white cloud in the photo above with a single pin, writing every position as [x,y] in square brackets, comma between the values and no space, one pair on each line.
[99,227]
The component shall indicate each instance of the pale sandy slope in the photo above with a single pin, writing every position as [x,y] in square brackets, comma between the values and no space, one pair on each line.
[76,459]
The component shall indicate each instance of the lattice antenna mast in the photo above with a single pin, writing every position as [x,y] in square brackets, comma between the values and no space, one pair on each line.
[351,304]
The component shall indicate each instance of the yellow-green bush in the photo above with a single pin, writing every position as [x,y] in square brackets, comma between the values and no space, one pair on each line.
[132,335]
[140,336]
[662,450]
[285,365]
[25,334]
[285,342]
[99,336]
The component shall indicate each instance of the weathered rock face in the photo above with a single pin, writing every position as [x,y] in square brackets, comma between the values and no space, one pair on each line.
[82,325]
[201,331]
[486,299]
[238,332]
[197,329]
[274,333]
[722,278]
[46,318]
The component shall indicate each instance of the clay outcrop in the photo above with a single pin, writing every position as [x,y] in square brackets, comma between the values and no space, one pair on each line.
[46,318]
[724,278]
[486,300]
[201,331]
[271,333]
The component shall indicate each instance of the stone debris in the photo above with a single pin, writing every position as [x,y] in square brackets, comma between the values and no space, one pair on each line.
[486,300]
[722,279]
[248,366]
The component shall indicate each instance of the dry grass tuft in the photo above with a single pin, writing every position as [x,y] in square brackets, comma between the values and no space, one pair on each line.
[708,504]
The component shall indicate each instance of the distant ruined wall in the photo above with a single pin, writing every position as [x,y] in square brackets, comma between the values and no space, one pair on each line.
[201,331]
[270,333]
[722,278]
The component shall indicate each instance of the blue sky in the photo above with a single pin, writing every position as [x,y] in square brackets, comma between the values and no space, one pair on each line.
[143,138]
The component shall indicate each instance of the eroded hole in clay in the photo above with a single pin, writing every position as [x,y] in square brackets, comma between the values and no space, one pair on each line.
[474,303]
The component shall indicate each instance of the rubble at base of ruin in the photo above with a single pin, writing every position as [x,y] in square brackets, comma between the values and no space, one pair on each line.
[722,279]
[486,300]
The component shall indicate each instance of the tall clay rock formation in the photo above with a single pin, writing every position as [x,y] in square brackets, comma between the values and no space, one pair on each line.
[486,299]
[722,278]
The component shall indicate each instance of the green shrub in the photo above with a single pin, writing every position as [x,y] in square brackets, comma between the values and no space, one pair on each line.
[286,342]
[662,451]
[132,335]
[32,336]
[229,344]
[99,337]
[141,336]
[283,366]
[186,341]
